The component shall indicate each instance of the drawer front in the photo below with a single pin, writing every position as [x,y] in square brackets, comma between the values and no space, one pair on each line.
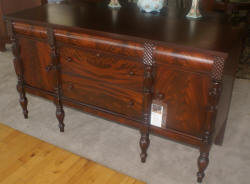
[111,98]
[100,66]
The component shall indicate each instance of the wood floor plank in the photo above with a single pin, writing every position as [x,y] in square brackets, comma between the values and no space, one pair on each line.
[92,172]
[30,161]
[53,169]
[20,181]
[27,160]
[5,131]
[12,150]
[5,173]
[55,155]
[128,180]
[68,175]
[139,182]
[119,178]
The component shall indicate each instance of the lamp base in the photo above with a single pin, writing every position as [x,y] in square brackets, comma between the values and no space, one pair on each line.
[194,11]
[114,4]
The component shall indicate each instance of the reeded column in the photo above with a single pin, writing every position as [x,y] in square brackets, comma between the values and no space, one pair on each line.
[214,95]
[147,98]
[55,67]
[19,69]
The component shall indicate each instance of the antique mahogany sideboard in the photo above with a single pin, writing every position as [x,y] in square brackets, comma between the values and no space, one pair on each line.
[118,63]
[10,6]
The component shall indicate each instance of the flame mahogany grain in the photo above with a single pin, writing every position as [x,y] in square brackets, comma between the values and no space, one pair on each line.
[115,70]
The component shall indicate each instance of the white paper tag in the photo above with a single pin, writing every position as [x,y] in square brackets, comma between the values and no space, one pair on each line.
[156,115]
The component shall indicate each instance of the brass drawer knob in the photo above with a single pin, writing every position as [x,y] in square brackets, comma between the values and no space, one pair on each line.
[98,55]
[68,59]
[49,68]
[160,96]
[52,67]
[131,102]
[70,86]
[131,73]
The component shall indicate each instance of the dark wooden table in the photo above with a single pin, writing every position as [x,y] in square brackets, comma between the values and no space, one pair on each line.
[116,63]
[10,6]
[170,26]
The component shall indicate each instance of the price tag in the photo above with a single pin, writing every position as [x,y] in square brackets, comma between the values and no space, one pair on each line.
[156,115]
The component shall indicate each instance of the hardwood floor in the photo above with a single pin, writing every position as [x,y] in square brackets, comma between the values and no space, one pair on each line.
[27,160]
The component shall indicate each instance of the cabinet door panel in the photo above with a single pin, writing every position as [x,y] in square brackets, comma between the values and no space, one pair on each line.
[185,97]
[35,57]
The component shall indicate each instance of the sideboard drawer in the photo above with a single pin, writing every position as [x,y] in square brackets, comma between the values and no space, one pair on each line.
[111,98]
[100,66]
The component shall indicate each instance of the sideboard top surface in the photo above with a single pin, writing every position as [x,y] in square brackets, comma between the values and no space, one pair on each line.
[211,33]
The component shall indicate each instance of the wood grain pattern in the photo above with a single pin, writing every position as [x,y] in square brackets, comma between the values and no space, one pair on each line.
[109,115]
[110,44]
[130,24]
[30,30]
[27,160]
[36,57]
[184,59]
[113,98]
[101,66]
[185,96]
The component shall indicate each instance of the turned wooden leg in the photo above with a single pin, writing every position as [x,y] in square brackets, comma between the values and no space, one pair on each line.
[203,161]
[144,144]
[220,137]
[60,116]
[23,100]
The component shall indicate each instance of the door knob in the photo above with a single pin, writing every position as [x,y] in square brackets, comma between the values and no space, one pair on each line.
[52,67]
[70,86]
[49,68]
[131,102]
[68,59]
[160,96]
[131,73]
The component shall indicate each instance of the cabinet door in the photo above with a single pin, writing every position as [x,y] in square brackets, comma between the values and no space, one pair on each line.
[185,98]
[35,57]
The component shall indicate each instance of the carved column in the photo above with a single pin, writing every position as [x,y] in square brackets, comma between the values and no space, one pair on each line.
[214,95]
[147,97]
[203,159]
[55,66]
[18,68]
